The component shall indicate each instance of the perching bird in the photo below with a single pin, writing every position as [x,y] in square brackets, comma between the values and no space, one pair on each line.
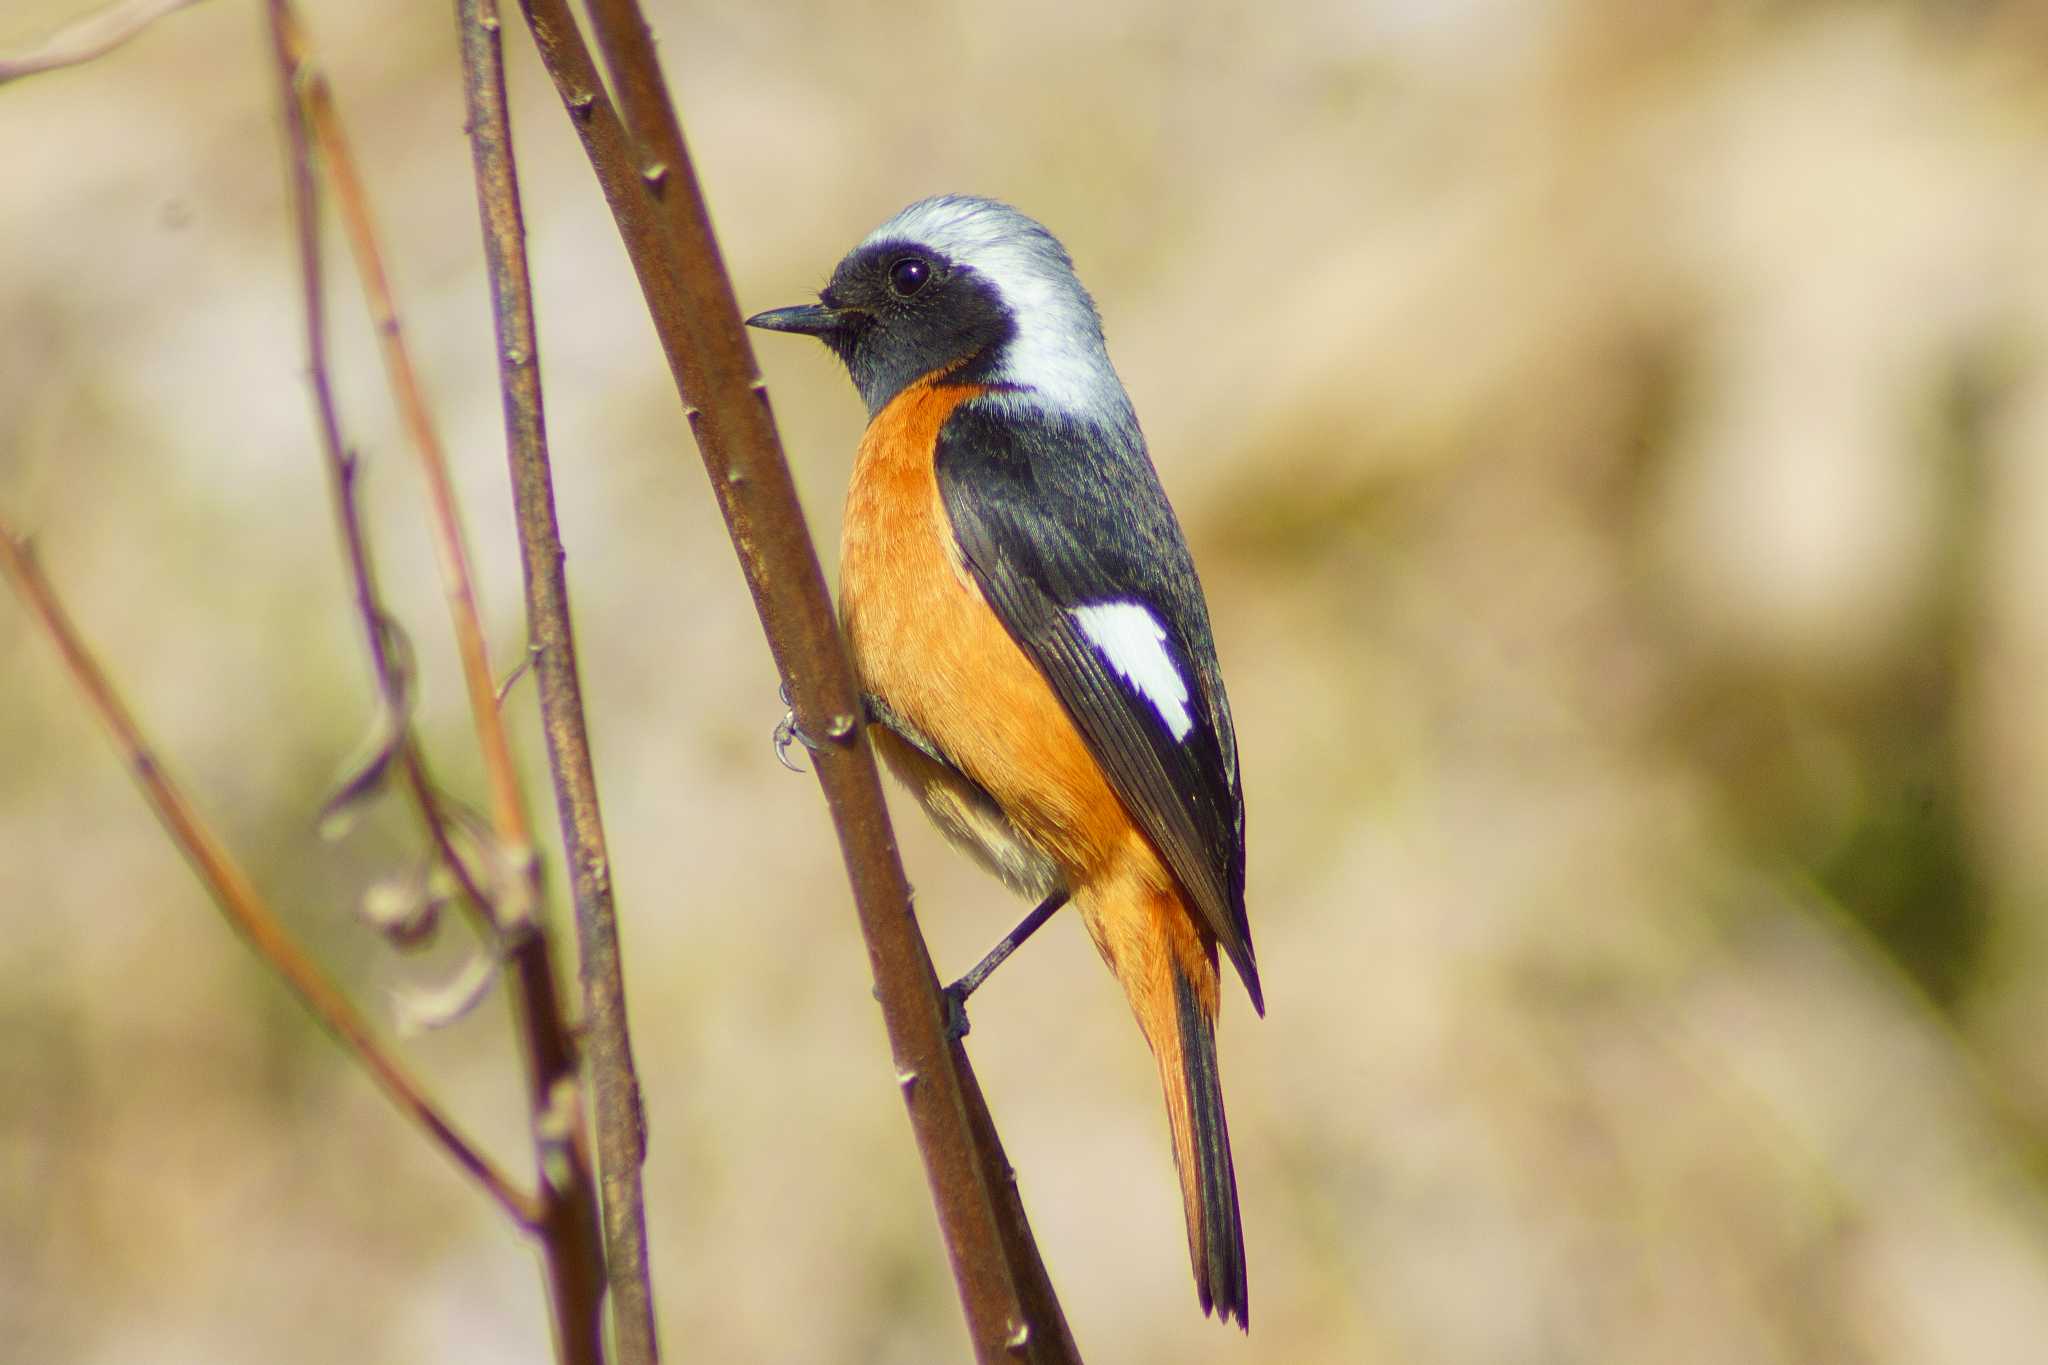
[1032,641]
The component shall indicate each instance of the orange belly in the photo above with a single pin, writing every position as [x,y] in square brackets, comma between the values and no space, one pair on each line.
[924,640]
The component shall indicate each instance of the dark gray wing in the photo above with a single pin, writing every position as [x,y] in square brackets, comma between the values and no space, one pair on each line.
[1060,521]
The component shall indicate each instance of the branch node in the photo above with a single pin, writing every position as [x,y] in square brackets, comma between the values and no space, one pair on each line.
[582,105]
[1019,1340]
[656,176]
[907,1079]
[555,1133]
[556,1122]
[515,892]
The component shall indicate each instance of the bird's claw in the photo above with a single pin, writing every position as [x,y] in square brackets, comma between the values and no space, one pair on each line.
[787,733]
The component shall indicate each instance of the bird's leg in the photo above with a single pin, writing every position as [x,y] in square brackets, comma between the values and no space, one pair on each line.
[957,993]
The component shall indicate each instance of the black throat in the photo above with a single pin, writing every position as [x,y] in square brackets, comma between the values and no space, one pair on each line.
[957,326]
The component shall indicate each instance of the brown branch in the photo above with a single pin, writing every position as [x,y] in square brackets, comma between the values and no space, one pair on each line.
[246,911]
[1012,1312]
[508,814]
[621,1131]
[567,1221]
[342,469]
[89,37]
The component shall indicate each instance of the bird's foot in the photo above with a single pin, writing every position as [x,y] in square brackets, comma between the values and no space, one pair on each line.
[789,733]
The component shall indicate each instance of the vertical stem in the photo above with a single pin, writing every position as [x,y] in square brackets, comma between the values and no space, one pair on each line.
[508,812]
[567,1225]
[651,187]
[621,1133]
[342,469]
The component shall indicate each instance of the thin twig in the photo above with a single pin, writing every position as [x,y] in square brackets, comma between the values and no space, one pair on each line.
[88,37]
[621,1132]
[1012,1312]
[508,813]
[239,901]
[342,468]
[567,1226]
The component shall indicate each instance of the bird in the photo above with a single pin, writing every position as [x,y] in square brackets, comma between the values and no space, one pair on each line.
[1033,645]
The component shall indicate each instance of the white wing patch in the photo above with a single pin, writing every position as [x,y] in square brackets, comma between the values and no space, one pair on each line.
[1132,640]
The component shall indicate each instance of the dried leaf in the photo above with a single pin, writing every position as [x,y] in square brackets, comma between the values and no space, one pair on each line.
[365,780]
[405,907]
[389,725]
[423,1008]
[503,874]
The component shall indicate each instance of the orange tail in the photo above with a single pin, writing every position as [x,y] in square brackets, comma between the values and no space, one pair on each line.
[1201,1149]
[1170,975]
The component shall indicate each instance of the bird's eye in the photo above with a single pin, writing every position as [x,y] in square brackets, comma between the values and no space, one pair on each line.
[908,275]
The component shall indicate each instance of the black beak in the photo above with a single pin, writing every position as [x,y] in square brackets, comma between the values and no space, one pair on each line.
[808,319]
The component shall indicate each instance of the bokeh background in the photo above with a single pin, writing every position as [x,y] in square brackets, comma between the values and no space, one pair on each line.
[1615,438]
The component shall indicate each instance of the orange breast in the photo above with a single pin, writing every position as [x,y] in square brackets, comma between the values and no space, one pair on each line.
[925,640]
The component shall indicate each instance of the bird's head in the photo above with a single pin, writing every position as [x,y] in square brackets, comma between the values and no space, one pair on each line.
[970,289]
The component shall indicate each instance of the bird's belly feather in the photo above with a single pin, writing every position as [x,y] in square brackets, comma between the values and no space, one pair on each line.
[925,641]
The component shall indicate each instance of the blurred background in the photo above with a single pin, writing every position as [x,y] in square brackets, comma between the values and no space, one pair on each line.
[1613,437]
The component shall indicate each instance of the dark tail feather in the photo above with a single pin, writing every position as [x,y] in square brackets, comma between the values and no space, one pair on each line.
[1215,1232]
